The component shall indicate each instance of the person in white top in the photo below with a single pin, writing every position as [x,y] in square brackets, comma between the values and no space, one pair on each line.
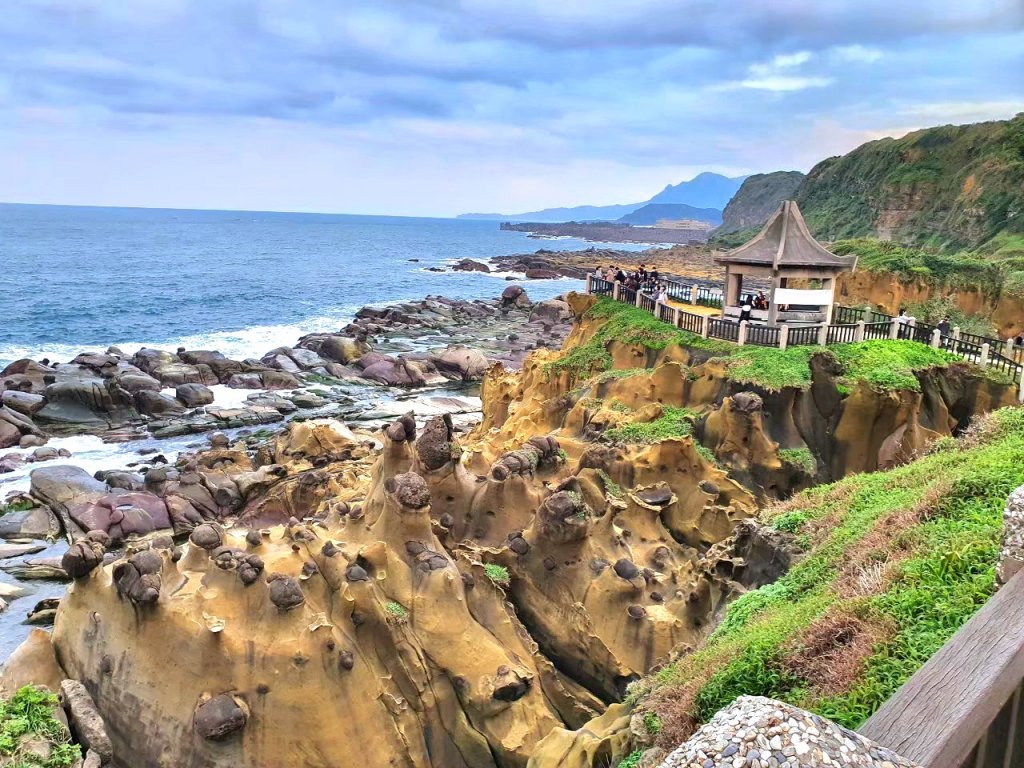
[662,295]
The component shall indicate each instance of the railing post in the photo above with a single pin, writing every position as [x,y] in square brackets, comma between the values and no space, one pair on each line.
[693,295]
[675,316]
[1020,387]
[858,335]
[741,337]
[1008,348]
[936,338]
[983,361]
[956,332]
[589,281]
[639,298]
[894,328]
[705,324]
[615,290]
[823,335]
[783,336]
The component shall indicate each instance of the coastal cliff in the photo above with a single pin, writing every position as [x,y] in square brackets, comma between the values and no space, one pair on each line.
[449,599]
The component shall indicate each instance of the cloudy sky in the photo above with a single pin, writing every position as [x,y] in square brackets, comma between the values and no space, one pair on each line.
[433,107]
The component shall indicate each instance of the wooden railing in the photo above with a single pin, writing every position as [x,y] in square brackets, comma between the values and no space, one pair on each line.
[868,325]
[962,709]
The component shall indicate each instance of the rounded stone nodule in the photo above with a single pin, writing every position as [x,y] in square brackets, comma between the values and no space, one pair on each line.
[219,717]
[285,592]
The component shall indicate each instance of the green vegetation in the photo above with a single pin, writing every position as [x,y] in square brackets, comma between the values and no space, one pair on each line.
[610,486]
[396,610]
[801,458]
[19,505]
[960,186]
[897,561]
[30,713]
[673,422]
[497,573]
[885,365]
[629,325]
[632,759]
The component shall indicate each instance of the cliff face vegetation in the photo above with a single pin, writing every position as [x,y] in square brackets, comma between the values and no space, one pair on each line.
[954,186]
[473,600]
[753,203]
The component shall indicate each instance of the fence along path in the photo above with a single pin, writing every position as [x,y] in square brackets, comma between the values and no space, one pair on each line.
[852,324]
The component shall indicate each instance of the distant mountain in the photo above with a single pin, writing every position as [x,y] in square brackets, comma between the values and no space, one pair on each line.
[558,215]
[652,213]
[706,190]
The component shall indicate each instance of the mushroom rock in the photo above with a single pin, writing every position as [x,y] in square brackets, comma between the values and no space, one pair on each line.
[325,439]
[285,592]
[537,452]
[139,577]
[85,555]
[435,447]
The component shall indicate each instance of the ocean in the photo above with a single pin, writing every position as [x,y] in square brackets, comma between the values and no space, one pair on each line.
[241,282]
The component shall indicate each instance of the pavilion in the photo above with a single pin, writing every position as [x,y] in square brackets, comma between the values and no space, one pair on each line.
[785,251]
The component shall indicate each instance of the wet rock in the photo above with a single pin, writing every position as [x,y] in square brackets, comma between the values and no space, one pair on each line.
[193,395]
[26,403]
[402,430]
[468,265]
[207,537]
[157,404]
[44,612]
[514,296]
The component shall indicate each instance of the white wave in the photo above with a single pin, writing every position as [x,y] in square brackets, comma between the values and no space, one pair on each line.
[254,341]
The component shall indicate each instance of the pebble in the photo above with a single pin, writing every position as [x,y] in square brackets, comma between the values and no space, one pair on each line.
[756,732]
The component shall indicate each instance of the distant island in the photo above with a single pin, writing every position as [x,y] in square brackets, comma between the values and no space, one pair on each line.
[679,233]
[702,198]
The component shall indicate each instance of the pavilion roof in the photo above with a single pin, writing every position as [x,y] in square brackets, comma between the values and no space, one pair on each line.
[785,241]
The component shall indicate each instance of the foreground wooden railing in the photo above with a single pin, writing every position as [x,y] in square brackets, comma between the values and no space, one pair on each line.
[962,708]
[851,325]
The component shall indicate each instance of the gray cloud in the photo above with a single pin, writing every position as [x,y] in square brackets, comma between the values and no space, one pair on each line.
[645,85]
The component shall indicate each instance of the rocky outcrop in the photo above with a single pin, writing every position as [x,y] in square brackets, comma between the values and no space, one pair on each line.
[756,200]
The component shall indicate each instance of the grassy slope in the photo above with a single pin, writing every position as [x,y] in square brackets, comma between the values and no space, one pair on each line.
[896,562]
[885,365]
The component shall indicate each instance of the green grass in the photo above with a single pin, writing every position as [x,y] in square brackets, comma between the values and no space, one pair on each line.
[30,713]
[801,458]
[883,364]
[632,760]
[947,573]
[396,610]
[674,422]
[629,325]
[497,573]
[610,486]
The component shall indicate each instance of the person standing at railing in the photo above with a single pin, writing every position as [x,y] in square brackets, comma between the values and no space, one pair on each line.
[620,276]
[661,297]
[746,309]
[654,274]
[904,321]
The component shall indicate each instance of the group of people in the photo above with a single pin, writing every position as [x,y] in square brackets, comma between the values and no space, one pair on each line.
[638,280]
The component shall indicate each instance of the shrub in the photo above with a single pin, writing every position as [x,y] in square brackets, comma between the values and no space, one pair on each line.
[674,422]
[497,573]
[30,713]
[801,458]
[397,611]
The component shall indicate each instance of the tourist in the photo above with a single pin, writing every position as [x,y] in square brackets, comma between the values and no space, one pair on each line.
[662,295]
[746,309]
[643,273]
[654,274]
[620,276]
[760,301]
[903,320]
[598,273]
[943,326]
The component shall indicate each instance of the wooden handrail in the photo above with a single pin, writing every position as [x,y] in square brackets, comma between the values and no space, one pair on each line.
[946,710]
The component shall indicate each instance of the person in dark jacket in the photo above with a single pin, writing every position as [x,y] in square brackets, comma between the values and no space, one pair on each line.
[943,327]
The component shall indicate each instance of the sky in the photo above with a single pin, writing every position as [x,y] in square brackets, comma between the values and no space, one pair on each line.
[436,107]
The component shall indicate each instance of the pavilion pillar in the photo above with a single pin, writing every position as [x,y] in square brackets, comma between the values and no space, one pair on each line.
[733,288]
[830,282]
[773,305]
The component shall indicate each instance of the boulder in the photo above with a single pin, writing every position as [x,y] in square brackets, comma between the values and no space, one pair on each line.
[515,296]
[341,349]
[33,523]
[121,515]
[10,435]
[26,403]
[194,395]
[461,363]
[84,719]
[158,404]
[552,310]
[174,373]
[468,265]
[137,382]
[223,368]
[541,274]
[87,400]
